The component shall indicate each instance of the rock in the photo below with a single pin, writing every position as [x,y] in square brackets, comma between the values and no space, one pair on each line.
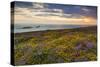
[84,45]
[78,47]
[89,45]
[80,59]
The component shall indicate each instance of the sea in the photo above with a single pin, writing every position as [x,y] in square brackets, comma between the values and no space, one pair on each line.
[19,28]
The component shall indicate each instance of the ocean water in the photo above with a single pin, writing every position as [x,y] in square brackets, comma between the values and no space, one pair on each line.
[19,28]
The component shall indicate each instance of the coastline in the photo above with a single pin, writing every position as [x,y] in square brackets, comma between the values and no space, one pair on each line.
[90,28]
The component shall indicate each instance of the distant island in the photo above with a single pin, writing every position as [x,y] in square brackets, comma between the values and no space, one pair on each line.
[28,27]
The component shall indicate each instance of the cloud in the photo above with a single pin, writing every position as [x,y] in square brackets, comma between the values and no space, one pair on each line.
[38,10]
[38,5]
[84,9]
[39,13]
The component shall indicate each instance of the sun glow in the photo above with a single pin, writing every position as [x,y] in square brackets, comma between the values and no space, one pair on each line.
[89,20]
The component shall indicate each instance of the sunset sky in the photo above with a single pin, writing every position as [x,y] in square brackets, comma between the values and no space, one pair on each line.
[44,13]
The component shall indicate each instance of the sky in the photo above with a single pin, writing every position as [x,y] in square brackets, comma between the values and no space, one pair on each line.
[48,13]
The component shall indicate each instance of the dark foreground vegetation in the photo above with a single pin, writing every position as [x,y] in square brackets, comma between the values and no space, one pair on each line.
[56,46]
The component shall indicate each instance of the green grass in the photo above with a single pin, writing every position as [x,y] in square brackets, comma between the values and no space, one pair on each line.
[54,46]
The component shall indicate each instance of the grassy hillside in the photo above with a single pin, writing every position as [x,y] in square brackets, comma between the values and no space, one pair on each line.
[56,46]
